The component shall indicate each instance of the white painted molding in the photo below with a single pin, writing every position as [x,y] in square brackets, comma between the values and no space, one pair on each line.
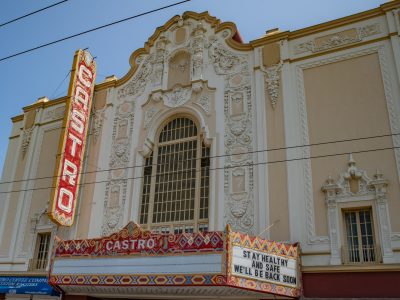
[337,192]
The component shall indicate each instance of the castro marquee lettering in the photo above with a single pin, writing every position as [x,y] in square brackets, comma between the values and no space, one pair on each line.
[132,245]
[263,266]
[72,143]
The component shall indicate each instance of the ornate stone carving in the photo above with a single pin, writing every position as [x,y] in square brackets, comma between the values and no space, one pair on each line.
[395,237]
[197,50]
[224,60]
[56,113]
[338,39]
[178,96]
[238,182]
[158,68]
[180,65]
[26,139]
[272,80]
[354,185]
[148,116]
[115,196]
[116,192]
[204,102]
[98,120]
[137,83]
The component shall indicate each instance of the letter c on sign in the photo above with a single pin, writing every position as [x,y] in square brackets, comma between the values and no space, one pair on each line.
[64,193]
[83,79]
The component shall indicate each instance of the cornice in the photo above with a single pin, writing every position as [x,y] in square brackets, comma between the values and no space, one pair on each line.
[291,35]
[268,39]
[336,23]
[352,268]
[105,85]
[18,118]
[45,104]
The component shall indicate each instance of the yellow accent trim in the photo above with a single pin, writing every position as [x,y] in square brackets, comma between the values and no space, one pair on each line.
[45,104]
[269,39]
[340,49]
[352,268]
[24,273]
[316,253]
[375,12]
[138,254]
[18,118]
[105,85]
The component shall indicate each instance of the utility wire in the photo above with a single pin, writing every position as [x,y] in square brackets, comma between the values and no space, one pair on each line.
[211,157]
[91,30]
[52,95]
[214,169]
[32,13]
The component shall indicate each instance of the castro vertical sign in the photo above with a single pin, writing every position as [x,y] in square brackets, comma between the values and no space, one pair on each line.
[73,139]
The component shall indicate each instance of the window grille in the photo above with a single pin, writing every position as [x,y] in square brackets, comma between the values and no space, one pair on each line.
[360,244]
[175,188]
[42,251]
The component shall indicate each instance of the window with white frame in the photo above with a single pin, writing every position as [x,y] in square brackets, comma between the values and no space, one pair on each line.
[42,249]
[360,242]
[175,193]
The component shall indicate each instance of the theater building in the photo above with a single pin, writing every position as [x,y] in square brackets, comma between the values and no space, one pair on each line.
[214,168]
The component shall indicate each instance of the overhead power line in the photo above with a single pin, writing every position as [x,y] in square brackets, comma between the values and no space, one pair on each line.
[32,13]
[91,30]
[217,168]
[213,157]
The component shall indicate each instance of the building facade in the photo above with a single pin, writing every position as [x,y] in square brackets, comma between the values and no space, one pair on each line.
[292,137]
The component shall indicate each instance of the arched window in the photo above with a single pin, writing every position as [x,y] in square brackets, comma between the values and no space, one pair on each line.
[176,180]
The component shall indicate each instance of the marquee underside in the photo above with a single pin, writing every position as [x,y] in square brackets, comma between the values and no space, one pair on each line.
[166,292]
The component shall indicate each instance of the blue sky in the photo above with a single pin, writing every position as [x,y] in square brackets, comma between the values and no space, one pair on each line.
[25,78]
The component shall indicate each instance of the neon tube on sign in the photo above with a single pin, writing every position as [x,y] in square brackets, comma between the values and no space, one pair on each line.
[73,139]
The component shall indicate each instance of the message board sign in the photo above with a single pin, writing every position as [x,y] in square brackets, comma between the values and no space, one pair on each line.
[264,267]
[73,139]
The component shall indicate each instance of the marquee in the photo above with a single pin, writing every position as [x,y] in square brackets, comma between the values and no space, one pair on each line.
[211,263]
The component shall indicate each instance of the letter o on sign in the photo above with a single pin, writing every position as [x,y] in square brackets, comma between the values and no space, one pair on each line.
[65,200]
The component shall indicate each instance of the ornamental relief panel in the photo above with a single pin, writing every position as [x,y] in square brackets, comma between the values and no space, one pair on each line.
[224,61]
[138,82]
[116,187]
[239,177]
[97,123]
[345,37]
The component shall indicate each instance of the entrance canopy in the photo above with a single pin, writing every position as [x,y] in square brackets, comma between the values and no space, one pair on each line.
[137,263]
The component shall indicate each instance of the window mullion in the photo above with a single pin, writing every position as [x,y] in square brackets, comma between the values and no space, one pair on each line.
[359,237]
[198,184]
[152,188]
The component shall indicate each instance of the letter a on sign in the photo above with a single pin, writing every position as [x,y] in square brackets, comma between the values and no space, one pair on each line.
[71,148]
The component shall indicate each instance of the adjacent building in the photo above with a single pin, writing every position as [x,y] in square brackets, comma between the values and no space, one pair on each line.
[292,138]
